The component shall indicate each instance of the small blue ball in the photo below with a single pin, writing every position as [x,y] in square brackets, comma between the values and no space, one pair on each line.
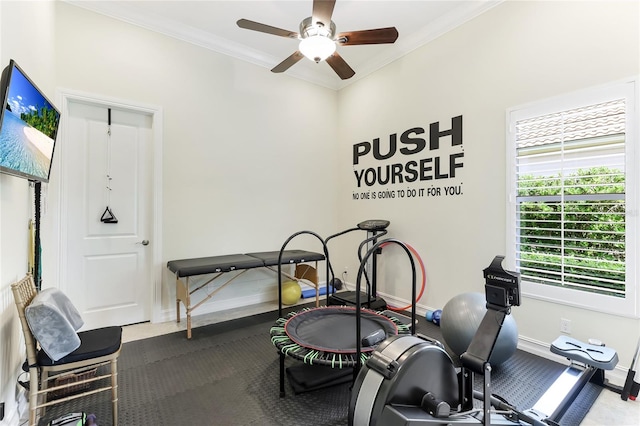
[436,316]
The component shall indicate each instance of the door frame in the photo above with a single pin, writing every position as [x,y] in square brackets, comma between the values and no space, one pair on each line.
[64,98]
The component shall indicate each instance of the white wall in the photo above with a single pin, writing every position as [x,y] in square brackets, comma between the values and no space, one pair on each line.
[517,52]
[245,165]
[247,160]
[26,35]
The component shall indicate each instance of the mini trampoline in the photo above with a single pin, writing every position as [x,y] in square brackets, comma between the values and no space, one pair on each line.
[327,335]
[336,336]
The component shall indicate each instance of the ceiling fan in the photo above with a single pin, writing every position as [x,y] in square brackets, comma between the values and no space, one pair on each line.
[318,38]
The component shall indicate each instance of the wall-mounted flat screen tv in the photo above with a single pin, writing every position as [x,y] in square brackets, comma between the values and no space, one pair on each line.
[28,128]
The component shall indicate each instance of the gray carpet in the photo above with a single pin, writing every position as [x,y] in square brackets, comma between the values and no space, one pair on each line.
[227,374]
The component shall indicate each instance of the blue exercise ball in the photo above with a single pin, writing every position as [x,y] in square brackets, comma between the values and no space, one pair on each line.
[460,319]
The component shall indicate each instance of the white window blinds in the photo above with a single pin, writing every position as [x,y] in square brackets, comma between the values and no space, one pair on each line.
[570,198]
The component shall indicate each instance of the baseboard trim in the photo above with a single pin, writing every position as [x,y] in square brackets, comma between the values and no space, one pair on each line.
[213,305]
[219,305]
[617,376]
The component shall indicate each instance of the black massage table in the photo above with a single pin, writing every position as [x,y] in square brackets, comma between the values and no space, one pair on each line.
[218,265]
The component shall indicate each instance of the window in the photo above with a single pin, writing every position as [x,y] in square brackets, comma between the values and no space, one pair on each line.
[572,198]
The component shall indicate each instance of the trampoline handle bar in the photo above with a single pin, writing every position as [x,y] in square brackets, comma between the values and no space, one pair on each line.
[363,263]
[326,256]
[373,238]
[326,242]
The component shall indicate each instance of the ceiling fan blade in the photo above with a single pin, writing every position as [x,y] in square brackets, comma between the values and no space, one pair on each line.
[263,28]
[322,11]
[376,36]
[339,65]
[287,63]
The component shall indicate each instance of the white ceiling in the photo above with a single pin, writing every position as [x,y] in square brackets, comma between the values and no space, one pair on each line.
[212,24]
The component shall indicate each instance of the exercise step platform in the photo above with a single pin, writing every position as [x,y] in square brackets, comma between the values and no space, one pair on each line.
[593,355]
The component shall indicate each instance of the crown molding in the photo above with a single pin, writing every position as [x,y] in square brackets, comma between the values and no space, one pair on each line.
[123,11]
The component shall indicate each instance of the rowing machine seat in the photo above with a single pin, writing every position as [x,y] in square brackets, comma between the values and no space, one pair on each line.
[585,353]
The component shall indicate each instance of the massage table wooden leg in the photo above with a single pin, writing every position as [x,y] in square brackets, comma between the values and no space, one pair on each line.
[183,294]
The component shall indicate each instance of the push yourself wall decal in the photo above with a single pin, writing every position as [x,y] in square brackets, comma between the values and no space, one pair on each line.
[445,157]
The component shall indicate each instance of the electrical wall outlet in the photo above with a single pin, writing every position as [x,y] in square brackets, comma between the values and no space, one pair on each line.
[565,326]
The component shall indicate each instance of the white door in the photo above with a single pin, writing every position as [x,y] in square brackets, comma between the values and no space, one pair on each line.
[108,173]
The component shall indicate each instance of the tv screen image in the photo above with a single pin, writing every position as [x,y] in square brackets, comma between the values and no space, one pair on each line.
[29,127]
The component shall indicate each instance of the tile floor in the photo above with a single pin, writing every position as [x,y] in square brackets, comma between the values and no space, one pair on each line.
[608,410]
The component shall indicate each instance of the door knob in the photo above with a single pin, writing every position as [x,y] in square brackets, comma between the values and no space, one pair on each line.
[144,242]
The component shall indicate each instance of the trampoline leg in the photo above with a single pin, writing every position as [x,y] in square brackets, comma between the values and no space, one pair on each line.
[281,375]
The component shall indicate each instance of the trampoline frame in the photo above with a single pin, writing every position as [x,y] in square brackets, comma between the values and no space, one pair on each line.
[311,355]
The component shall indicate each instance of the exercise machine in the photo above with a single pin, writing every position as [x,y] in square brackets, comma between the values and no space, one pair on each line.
[412,381]
[375,229]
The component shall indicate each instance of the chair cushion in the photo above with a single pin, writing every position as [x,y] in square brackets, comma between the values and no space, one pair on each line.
[94,343]
[53,321]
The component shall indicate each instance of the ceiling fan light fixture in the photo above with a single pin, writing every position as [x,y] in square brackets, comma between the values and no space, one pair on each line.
[318,39]
[317,47]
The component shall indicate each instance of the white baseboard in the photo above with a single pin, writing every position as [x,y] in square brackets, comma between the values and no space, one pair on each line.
[400,303]
[220,305]
[395,301]
[266,295]
[617,376]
